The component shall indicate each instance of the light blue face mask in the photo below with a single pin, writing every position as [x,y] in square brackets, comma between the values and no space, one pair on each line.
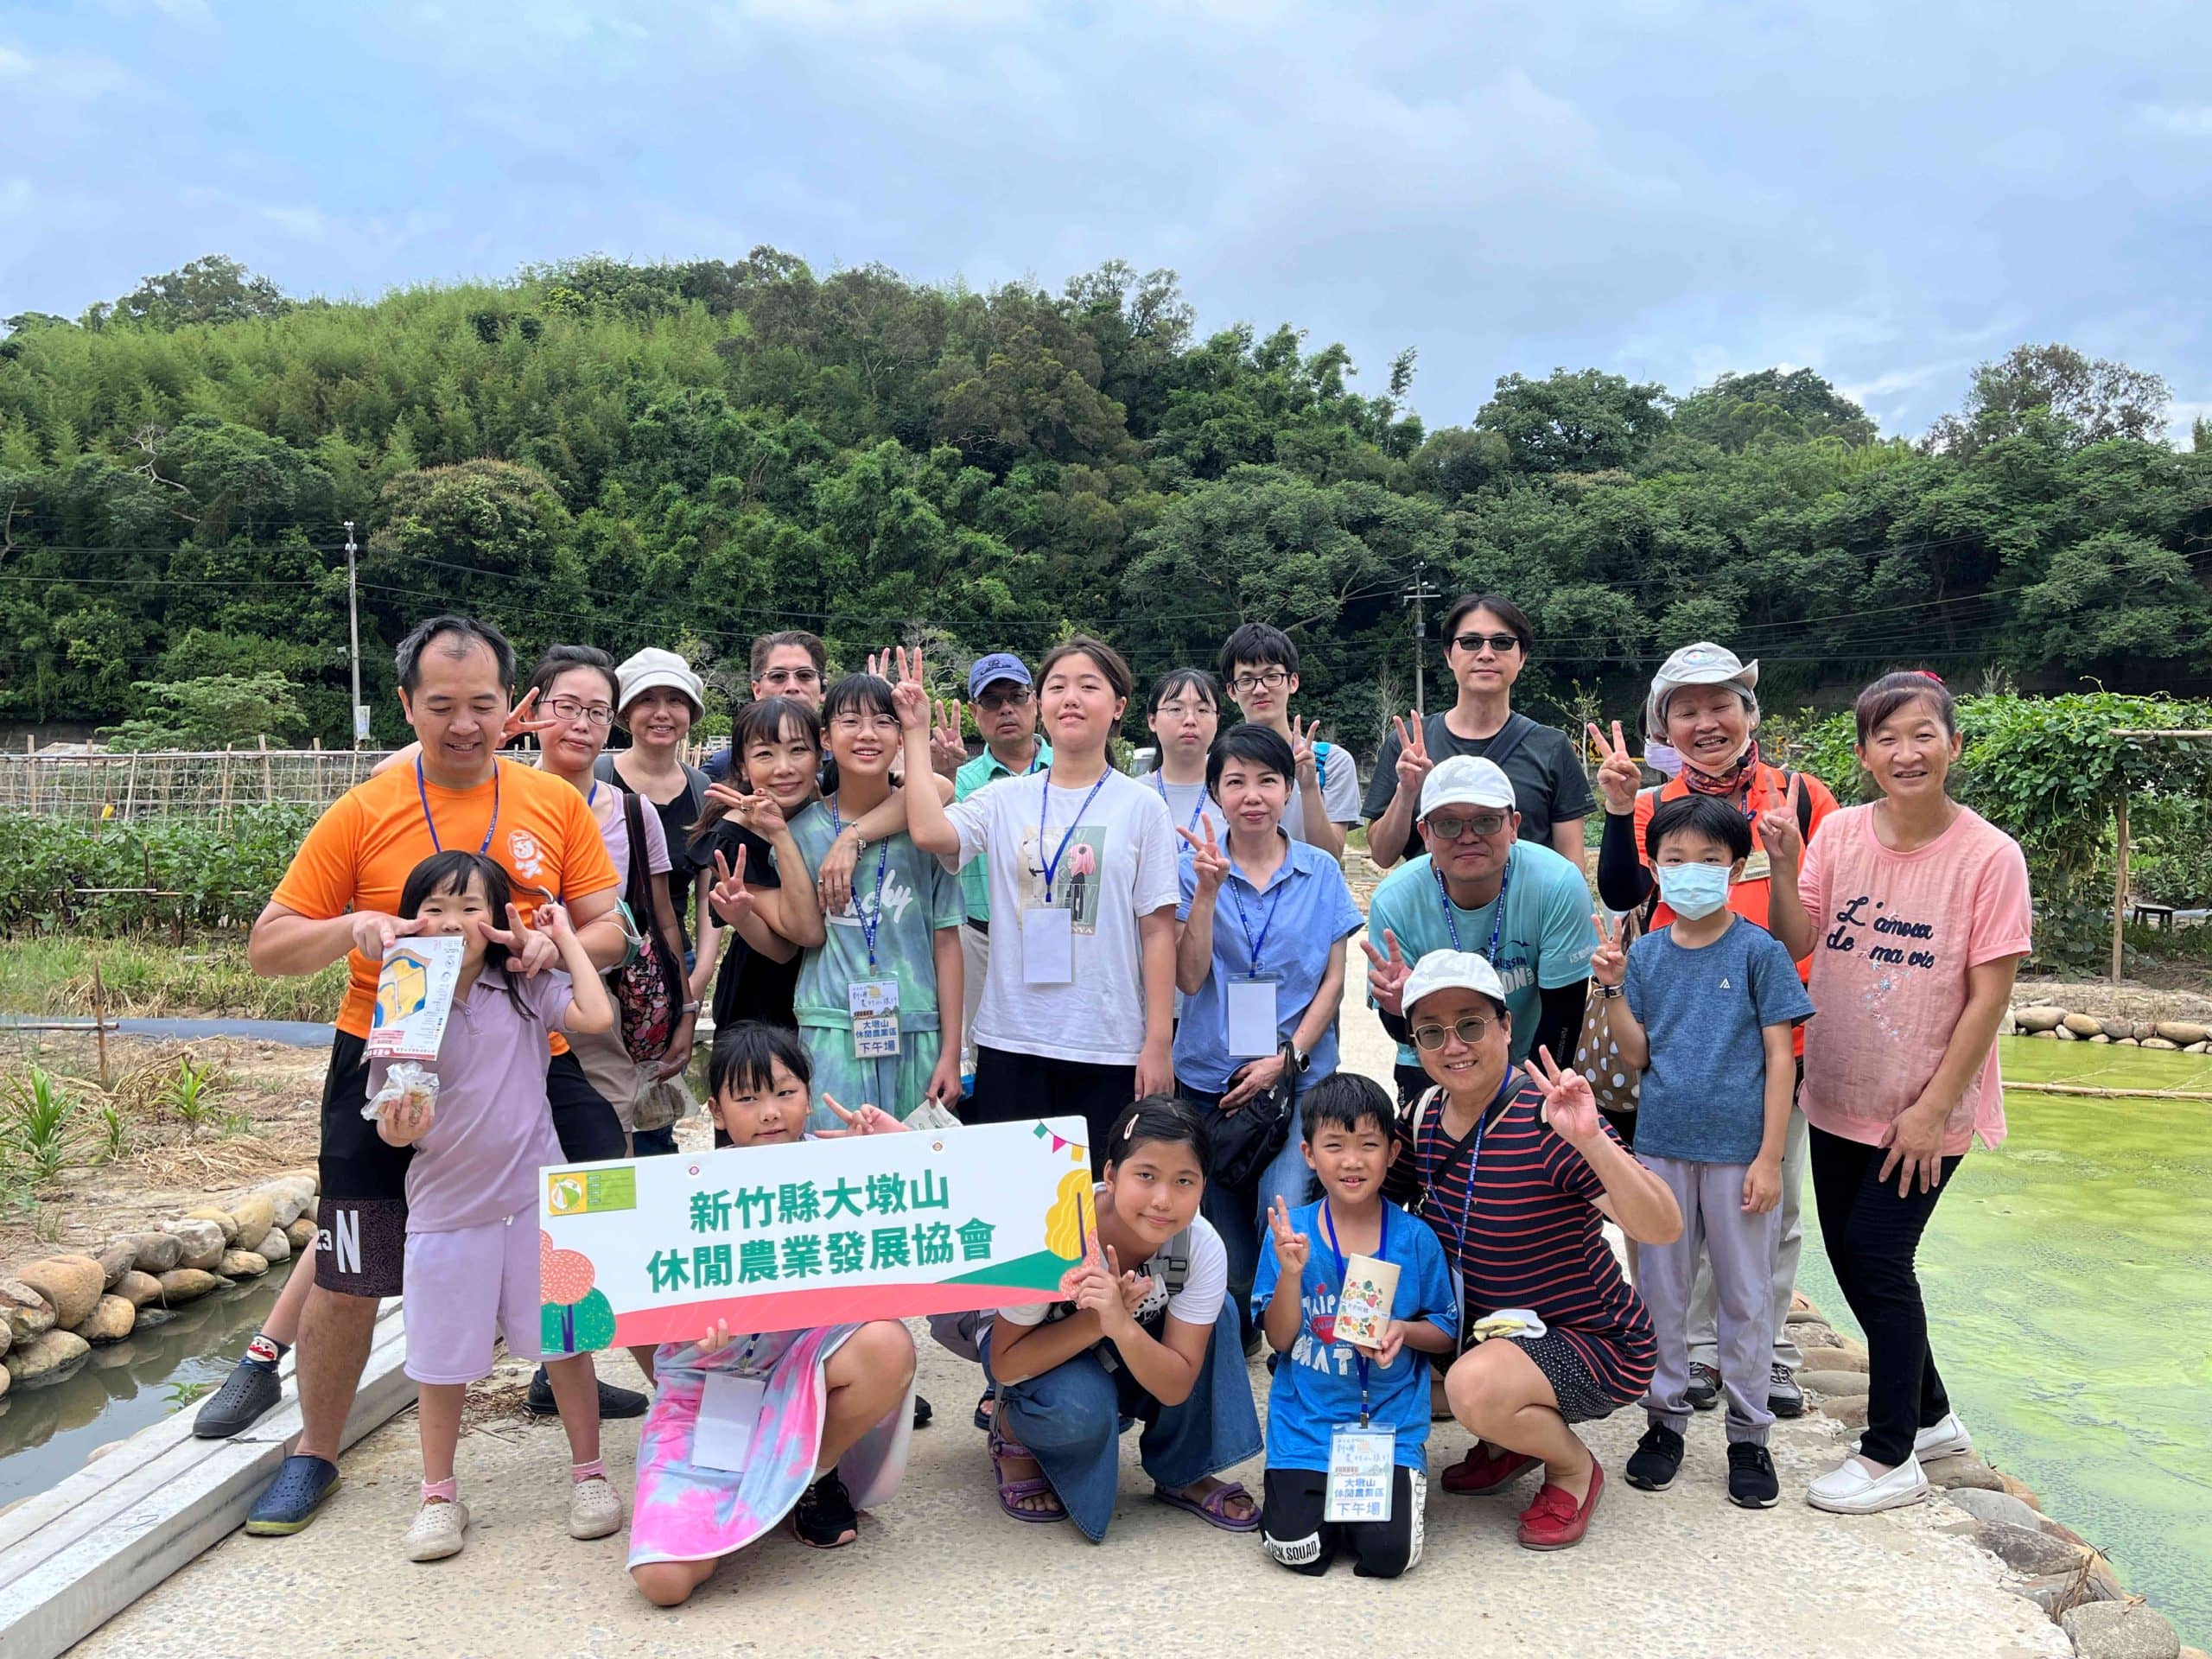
[1693,890]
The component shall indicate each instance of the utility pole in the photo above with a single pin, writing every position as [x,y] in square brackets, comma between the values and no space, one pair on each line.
[1417,596]
[353,623]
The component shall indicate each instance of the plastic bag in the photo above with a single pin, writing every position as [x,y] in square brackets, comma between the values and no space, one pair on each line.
[405,1079]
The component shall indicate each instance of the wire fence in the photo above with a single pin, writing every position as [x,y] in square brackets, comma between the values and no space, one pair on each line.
[168,783]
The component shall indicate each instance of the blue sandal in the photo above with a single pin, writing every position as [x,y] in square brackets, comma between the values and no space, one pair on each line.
[289,1501]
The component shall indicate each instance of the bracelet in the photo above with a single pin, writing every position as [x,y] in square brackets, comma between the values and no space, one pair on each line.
[690,1007]
[1613,990]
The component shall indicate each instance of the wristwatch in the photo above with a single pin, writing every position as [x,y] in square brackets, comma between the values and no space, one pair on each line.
[1614,990]
[1301,1058]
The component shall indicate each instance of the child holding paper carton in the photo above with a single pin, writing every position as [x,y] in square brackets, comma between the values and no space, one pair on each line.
[1353,1291]
[746,1430]
[477,1116]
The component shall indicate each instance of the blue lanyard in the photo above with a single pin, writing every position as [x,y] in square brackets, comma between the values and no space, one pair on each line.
[1274,900]
[1045,812]
[1158,782]
[1497,915]
[872,918]
[423,791]
[1431,1168]
[1337,1256]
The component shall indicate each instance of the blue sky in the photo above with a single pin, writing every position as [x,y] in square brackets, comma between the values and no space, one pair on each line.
[1664,188]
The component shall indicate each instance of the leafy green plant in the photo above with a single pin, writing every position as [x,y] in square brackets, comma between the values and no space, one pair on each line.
[82,874]
[115,1130]
[41,1115]
[190,1096]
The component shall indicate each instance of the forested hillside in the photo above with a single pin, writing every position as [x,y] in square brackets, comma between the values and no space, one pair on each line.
[685,455]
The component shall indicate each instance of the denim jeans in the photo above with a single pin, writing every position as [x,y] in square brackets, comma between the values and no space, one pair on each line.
[1239,1214]
[654,1143]
[1069,1419]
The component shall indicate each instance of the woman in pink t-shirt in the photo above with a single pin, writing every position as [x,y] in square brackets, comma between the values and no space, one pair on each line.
[1916,914]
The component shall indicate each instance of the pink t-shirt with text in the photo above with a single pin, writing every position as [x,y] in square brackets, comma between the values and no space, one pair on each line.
[1896,934]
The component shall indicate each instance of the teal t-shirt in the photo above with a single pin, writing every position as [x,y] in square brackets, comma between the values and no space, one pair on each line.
[1543,942]
[918,895]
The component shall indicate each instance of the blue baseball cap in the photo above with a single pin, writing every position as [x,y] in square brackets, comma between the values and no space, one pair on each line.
[999,666]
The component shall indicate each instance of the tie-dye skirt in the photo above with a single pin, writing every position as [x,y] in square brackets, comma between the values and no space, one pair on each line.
[686,1512]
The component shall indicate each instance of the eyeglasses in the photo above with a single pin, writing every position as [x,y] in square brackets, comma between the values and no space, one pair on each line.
[568,708]
[790,677]
[1273,680]
[1503,644]
[993,702]
[1481,826]
[864,721]
[1471,1029]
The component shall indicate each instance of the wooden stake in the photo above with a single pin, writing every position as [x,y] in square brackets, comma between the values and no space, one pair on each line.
[2106,1094]
[2120,887]
[99,1019]
[268,777]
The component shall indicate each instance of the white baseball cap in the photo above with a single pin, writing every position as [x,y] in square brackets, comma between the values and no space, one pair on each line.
[1445,970]
[654,667]
[1703,663]
[1465,780]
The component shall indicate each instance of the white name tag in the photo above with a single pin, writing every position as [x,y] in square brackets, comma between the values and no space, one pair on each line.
[1362,1469]
[874,1004]
[1254,1021]
[729,1414]
[1047,946]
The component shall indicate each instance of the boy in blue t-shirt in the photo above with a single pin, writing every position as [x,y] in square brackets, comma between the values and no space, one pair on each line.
[1321,1385]
[1706,1008]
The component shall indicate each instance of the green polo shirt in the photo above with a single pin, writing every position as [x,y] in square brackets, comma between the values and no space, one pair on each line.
[975,880]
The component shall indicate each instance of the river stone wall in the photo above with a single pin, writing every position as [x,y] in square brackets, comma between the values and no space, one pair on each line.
[55,1309]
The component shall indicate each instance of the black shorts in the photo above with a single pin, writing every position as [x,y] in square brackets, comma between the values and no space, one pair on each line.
[361,1215]
[1011,1088]
[1295,1534]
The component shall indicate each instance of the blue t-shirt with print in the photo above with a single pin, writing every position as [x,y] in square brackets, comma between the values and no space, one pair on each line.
[1704,1096]
[1316,1385]
[1544,942]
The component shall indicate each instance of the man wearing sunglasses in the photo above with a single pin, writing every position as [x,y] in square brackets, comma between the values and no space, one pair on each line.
[1483,887]
[793,664]
[1486,645]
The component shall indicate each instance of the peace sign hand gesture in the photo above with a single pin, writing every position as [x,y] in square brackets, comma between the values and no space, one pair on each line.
[1303,752]
[529,951]
[1292,1250]
[1619,775]
[1777,826]
[1609,962]
[947,753]
[1387,976]
[519,722]
[730,898]
[1207,859]
[1414,761]
[1569,1106]
[909,693]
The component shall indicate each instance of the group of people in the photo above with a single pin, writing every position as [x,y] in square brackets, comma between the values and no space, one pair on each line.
[1767,983]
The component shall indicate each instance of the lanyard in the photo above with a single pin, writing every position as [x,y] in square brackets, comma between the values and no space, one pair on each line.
[1497,915]
[423,791]
[1433,1168]
[1254,946]
[872,918]
[1045,812]
[1337,1256]
[1197,810]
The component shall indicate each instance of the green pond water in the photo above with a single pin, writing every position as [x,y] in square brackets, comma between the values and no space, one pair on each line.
[2068,1279]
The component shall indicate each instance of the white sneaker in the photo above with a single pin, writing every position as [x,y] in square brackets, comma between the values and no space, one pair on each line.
[593,1509]
[436,1532]
[1946,1437]
[1851,1488]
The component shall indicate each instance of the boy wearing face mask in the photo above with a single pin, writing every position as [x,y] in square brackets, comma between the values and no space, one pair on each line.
[1706,1008]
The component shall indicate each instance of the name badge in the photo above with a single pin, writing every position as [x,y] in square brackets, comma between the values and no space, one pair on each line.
[1047,946]
[1253,1022]
[874,1004]
[729,1413]
[1363,1467]
[1758,867]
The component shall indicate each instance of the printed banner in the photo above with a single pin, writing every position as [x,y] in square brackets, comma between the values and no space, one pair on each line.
[818,1232]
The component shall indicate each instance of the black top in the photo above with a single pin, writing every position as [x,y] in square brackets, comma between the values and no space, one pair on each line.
[1548,784]
[749,986]
[676,818]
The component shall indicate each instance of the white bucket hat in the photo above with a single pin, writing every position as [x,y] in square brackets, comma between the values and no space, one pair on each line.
[1703,663]
[654,667]
[1444,970]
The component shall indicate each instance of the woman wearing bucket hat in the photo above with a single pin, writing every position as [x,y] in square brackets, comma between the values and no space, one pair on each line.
[1704,705]
[662,700]
[1517,1175]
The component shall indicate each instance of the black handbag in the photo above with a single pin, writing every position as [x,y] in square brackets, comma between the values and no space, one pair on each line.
[1242,1143]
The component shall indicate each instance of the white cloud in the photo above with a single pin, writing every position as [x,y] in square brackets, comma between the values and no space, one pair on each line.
[2185,120]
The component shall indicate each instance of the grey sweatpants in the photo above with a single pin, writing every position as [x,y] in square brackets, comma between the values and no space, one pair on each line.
[1741,1249]
[1705,1346]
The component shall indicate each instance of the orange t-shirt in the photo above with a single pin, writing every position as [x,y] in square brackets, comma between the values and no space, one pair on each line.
[1749,897]
[360,853]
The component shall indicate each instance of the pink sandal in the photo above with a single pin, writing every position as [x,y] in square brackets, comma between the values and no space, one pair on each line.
[1213,1508]
[1011,1492]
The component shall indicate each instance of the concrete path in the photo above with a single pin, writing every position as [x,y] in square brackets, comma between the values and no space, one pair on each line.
[939,1570]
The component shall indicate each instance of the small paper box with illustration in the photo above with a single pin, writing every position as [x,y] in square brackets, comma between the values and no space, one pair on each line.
[415,998]
[1364,1309]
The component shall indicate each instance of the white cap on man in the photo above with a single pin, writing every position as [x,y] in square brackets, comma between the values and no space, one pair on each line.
[1466,780]
[652,668]
[1446,971]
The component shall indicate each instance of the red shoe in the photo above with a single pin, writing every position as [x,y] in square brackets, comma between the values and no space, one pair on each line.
[1554,1521]
[1479,1473]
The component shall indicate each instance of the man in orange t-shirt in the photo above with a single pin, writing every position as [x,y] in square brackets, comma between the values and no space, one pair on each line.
[337,899]
[1704,704]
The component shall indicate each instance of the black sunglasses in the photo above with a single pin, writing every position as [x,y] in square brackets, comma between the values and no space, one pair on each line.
[1500,642]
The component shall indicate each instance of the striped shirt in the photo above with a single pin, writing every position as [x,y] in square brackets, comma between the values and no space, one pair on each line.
[1532,1237]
